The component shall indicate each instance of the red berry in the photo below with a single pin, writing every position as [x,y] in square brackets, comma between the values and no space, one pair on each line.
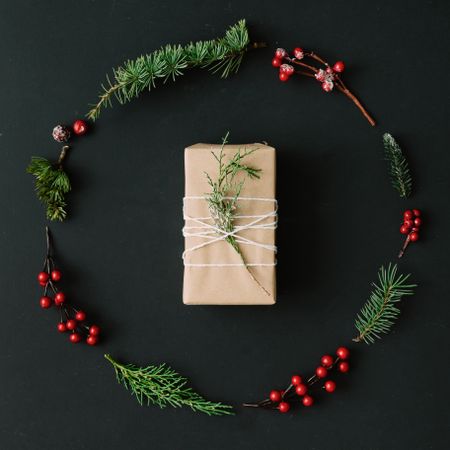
[283,76]
[79,127]
[60,298]
[280,53]
[321,372]
[75,338]
[275,396]
[343,367]
[287,68]
[80,316]
[43,283]
[298,53]
[301,389]
[343,352]
[296,380]
[284,407]
[339,66]
[71,324]
[327,86]
[408,214]
[42,277]
[329,70]
[62,327]
[330,386]
[417,221]
[45,302]
[307,400]
[276,62]
[416,212]
[92,340]
[94,330]
[414,236]
[404,229]
[56,275]
[408,223]
[326,360]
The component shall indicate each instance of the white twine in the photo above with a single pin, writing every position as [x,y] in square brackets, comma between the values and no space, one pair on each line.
[212,233]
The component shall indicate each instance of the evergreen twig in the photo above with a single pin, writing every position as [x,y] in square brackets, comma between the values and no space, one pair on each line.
[378,314]
[398,166]
[222,55]
[162,386]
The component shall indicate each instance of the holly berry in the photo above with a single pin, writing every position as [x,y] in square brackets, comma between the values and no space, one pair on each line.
[408,215]
[45,302]
[61,327]
[94,330]
[280,53]
[307,400]
[321,372]
[296,380]
[329,70]
[343,367]
[275,396]
[408,223]
[80,316]
[404,229]
[343,352]
[326,360]
[283,76]
[60,298]
[71,324]
[75,338]
[339,66]
[43,283]
[79,127]
[327,86]
[287,68]
[276,62]
[329,386]
[92,340]
[298,53]
[61,133]
[301,389]
[42,278]
[284,407]
[414,236]
[417,222]
[55,275]
[416,212]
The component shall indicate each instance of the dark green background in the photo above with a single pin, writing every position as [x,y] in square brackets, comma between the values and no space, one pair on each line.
[120,249]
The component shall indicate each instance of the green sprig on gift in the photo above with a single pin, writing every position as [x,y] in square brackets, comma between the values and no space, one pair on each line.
[162,386]
[223,55]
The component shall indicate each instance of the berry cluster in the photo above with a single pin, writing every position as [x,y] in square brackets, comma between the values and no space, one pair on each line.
[62,133]
[411,225]
[71,319]
[299,390]
[328,76]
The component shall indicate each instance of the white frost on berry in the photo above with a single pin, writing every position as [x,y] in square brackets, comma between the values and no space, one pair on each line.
[287,68]
[327,85]
[320,75]
[280,52]
[299,54]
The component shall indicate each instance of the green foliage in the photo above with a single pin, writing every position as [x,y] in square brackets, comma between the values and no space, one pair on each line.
[52,184]
[223,55]
[162,386]
[398,169]
[379,312]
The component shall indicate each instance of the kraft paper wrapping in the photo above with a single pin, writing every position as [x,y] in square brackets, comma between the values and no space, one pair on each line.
[229,285]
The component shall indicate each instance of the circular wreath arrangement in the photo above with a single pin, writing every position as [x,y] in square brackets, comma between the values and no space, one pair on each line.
[160,384]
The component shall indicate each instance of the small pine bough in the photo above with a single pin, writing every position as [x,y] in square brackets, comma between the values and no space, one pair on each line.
[328,76]
[376,318]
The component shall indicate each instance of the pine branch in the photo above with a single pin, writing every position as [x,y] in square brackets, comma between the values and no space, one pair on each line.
[223,55]
[52,184]
[378,314]
[162,386]
[398,170]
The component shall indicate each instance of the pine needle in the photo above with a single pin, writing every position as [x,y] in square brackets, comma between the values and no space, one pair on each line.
[162,386]
[398,170]
[378,314]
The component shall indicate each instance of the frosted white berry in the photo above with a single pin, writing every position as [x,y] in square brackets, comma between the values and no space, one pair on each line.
[327,85]
[61,133]
[320,75]
[298,53]
[280,53]
[287,68]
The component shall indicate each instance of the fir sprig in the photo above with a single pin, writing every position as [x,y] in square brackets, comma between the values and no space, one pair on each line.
[222,55]
[398,166]
[162,386]
[52,184]
[378,314]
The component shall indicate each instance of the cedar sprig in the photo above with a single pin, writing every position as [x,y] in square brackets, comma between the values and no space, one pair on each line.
[398,166]
[222,55]
[162,386]
[52,184]
[379,313]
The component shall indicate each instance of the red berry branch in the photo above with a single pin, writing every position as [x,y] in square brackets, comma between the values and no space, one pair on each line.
[411,225]
[300,391]
[328,76]
[71,319]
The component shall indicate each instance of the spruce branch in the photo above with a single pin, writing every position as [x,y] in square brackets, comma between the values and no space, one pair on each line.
[398,166]
[52,184]
[162,386]
[223,55]
[378,314]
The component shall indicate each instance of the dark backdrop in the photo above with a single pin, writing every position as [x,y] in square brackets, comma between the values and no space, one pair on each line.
[120,250]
